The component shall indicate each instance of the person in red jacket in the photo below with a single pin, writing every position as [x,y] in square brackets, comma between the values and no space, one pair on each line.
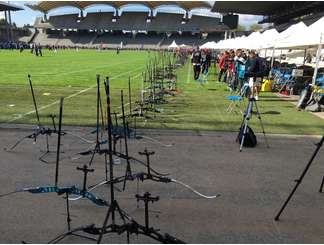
[222,65]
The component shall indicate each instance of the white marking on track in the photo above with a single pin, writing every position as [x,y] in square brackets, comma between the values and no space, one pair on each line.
[189,73]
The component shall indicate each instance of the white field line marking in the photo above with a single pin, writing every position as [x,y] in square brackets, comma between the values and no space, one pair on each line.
[69,97]
[189,71]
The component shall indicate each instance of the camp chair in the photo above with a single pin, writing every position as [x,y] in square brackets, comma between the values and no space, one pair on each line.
[283,80]
[237,100]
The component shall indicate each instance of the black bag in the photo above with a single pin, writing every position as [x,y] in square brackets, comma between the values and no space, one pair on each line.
[249,139]
[304,98]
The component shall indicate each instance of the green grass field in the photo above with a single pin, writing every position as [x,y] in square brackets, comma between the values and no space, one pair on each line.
[73,75]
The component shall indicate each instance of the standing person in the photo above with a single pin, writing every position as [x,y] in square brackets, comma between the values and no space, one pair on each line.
[253,70]
[239,69]
[40,50]
[206,63]
[222,66]
[230,69]
[196,62]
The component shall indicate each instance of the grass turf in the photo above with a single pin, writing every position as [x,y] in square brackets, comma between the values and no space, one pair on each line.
[72,74]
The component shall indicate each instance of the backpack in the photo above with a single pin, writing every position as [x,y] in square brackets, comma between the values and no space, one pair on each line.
[249,139]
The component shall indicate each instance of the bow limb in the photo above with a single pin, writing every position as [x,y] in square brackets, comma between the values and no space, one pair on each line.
[193,190]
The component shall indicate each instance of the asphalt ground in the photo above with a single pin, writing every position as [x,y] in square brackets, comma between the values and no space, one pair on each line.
[252,184]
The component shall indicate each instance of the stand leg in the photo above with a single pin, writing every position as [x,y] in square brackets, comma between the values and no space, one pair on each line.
[322,184]
[17,143]
[244,133]
[93,153]
[47,145]
[298,181]
[68,218]
[245,122]
[106,167]
[261,123]
[105,223]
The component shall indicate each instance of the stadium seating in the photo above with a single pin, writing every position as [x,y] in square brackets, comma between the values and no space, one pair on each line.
[98,29]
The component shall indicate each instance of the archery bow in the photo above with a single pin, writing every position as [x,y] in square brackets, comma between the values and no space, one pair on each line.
[60,190]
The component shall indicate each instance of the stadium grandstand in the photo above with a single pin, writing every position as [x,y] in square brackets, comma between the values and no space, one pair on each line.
[281,14]
[152,29]
[7,30]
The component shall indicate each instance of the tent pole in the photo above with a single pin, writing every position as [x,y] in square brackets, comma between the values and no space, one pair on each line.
[272,60]
[318,55]
[305,52]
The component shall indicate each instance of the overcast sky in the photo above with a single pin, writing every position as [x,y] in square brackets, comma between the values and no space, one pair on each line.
[28,16]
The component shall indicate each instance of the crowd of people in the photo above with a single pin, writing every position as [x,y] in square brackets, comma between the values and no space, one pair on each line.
[235,68]
[13,45]
[240,67]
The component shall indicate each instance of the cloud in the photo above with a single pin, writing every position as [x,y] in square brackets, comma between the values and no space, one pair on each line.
[1,15]
[247,20]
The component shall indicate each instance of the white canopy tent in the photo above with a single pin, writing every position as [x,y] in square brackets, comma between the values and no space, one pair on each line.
[297,36]
[286,38]
[309,37]
[209,45]
[173,45]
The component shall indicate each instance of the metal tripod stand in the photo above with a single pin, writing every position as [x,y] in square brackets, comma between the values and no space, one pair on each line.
[298,181]
[40,129]
[246,118]
[97,149]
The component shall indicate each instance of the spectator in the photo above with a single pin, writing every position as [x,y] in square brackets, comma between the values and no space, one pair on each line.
[196,62]
[253,73]
[222,66]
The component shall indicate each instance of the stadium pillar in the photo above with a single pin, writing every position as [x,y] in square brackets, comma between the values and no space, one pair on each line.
[10,26]
[7,26]
[187,15]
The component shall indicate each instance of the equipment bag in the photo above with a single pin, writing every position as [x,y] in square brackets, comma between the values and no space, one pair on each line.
[304,98]
[250,138]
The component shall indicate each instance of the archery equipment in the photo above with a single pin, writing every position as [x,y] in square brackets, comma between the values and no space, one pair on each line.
[85,171]
[300,179]
[63,190]
[99,112]
[133,226]
[146,198]
[151,174]
[99,142]
[39,130]
[128,171]
[244,128]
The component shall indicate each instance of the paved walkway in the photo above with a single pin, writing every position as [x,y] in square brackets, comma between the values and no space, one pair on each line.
[253,185]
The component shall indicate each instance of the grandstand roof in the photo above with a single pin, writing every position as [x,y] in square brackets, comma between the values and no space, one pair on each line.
[274,11]
[6,6]
[46,6]
[248,7]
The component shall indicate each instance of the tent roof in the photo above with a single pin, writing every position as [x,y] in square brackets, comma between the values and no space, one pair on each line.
[173,45]
[46,6]
[309,37]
